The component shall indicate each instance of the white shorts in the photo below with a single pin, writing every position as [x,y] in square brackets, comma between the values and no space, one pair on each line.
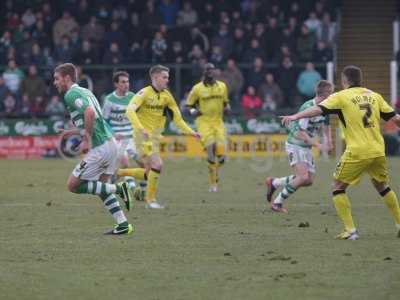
[127,147]
[100,160]
[298,154]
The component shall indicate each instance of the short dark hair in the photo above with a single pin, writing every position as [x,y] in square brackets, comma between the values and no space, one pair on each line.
[67,69]
[157,69]
[119,74]
[321,87]
[353,75]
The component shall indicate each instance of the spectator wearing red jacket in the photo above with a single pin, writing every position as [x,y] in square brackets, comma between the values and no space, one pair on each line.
[251,103]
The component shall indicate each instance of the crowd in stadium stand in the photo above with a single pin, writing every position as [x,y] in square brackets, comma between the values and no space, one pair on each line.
[266,51]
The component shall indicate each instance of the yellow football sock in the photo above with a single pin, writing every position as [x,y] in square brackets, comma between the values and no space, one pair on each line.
[343,209]
[392,203]
[212,173]
[138,173]
[152,184]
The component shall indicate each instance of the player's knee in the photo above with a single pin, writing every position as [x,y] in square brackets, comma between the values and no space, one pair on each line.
[305,180]
[72,187]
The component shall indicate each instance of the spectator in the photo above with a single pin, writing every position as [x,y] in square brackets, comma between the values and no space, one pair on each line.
[197,37]
[158,48]
[38,107]
[195,54]
[322,53]
[251,103]
[327,30]
[86,55]
[168,10]
[136,53]
[287,76]
[152,14]
[103,14]
[5,44]
[47,16]
[175,53]
[234,80]
[33,86]
[259,33]
[10,106]
[305,44]
[83,13]
[239,43]
[24,110]
[254,51]
[28,19]
[64,27]
[13,77]
[313,23]
[187,16]
[270,92]
[208,16]
[217,58]
[284,51]
[55,108]
[288,39]
[116,35]
[307,81]
[223,39]
[93,31]
[113,55]
[24,47]
[256,74]
[40,35]
[272,37]
[64,52]
[4,91]
[36,56]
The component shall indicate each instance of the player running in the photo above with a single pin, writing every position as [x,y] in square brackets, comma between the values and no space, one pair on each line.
[303,135]
[147,112]
[114,112]
[92,174]
[359,110]
[208,100]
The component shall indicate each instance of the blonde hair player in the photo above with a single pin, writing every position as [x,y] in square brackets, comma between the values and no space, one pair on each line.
[147,112]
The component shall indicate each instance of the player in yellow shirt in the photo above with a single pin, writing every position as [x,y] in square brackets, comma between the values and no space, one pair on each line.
[147,112]
[208,100]
[359,110]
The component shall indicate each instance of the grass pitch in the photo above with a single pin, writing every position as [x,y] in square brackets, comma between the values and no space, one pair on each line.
[203,246]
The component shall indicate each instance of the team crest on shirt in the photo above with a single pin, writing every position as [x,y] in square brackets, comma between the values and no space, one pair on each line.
[79,103]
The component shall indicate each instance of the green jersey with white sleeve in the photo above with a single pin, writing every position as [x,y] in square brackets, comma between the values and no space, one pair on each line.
[114,109]
[76,100]
[312,126]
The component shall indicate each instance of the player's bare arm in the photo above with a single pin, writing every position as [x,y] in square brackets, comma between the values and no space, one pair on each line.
[89,119]
[396,120]
[308,113]
[327,133]
[303,135]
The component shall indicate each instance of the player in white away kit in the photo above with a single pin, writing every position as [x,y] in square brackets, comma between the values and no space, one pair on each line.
[114,109]
[303,134]
[92,174]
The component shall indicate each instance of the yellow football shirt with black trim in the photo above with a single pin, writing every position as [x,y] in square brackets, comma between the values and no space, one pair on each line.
[359,110]
[210,99]
[152,107]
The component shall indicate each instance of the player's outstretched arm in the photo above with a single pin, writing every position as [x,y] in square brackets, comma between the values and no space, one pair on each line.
[308,113]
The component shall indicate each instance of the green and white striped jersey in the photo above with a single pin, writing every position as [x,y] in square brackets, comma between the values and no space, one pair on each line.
[114,109]
[76,100]
[312,126]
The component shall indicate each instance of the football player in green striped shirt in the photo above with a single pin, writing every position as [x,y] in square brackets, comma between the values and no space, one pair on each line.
[303,135]
[114,109]
[92,174]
